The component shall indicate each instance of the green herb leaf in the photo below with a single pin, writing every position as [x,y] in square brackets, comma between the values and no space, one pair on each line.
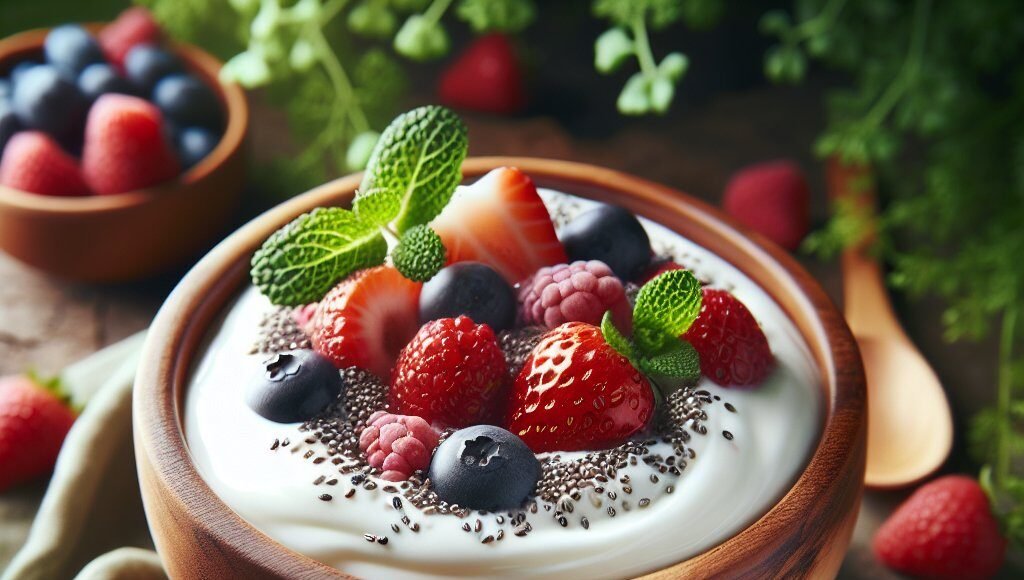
[615,338]
[359,151]
[414,168]
[611,49]
[679,361]
[421,39]
[372,19]
[503,15]
[419,254]
[674,66]
[665,308]
[634,98]
[300,262]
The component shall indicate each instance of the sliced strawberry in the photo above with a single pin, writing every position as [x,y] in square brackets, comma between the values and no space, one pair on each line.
[33,162]
[367,319]
[576,392]
[732,347]
[133,26]
[501,221]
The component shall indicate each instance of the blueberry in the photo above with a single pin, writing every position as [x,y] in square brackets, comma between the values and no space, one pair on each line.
[70,48]
[294,386]
[101,78]
[21,68]
[45,100]
[194,144]
[145,65]
[612,235]
[484,467]
[469,288]
[188,101]
[9,124]
[5,89]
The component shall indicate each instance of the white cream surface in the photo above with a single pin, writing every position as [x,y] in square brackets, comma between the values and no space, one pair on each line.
[727,486]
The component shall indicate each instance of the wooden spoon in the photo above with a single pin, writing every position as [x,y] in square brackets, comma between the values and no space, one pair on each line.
[910,427]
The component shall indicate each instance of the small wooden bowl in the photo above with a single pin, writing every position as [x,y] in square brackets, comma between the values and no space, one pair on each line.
[131,235]
[805,534]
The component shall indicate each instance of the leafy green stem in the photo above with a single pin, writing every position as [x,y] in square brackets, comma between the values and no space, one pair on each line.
[436,10]
[818,24]
[339,79]
[1004,397]
[642,47]
[908,72]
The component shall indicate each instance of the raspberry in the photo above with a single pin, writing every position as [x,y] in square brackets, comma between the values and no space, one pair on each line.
[577,292]
[398,445]
[453,373]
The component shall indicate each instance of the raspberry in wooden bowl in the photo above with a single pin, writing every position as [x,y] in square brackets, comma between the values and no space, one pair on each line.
[607,428]
[106,177]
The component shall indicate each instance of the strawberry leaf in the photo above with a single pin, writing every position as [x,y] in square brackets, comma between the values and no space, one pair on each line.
[615,338]
[300,262]
[665,308]
[414,169]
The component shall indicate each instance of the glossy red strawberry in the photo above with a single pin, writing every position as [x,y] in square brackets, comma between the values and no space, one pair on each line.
[501,221]
[133,26]
[945,530]
[366,320]
[575,392]
[486,77]
[125,146]
[772,199]
[33,162]
[34,419]
[452,374]
[732,347]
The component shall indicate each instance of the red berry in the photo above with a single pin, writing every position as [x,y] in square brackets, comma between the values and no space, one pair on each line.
[486,77]
[732,347]
[33,162]
[660,268]
[398,445]
[366,320]
[133,26]
[580,292]
[575,392]
[944,530]
[771,199]
[501,221]
[34,420]
[125,147]
[453,374]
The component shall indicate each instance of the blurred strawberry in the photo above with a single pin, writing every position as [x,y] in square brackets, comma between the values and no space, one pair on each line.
[486,77]
[133,26]
[34,419]
[33,162]
[773,200]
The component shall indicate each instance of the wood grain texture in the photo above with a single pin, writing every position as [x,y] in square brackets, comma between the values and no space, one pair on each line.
[804,535]
[127,236]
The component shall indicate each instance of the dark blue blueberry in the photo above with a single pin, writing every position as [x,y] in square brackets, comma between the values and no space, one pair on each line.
[100,79]
[9,123]
[188,101]
[71,48]
[294,386]
[194,144]
[45,100]
[469,288]
[145,65]
[612,235]
[21,68]
[485,468]
[5,89]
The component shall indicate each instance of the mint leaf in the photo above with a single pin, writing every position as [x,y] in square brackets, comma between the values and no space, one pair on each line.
[419,254]
[300,262]
[414,168]
[615,338]
[679,361]
[665,307]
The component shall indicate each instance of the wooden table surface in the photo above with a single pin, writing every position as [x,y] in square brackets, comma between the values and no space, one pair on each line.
[46,324]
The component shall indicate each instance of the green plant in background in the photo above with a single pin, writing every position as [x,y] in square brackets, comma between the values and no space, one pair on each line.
[936,108]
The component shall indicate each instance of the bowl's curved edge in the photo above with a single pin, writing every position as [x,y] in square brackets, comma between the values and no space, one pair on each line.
[804,533]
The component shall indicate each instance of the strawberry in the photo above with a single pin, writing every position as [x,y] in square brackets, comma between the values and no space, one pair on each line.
[576,392]
[33,162]
[452,374]
[732,347]
[501,221]
[133,26]
[366,320]
[125,147]
[34,419]
[944,530]
[773,200]
[486,77]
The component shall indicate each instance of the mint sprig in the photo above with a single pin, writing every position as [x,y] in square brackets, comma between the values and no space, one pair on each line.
[299,263]
[665,308]
[414,169]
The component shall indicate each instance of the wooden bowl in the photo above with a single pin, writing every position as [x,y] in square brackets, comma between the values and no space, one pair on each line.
[131,235]
[805,534]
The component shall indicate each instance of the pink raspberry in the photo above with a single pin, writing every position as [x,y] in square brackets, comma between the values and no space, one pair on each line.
[398,445]
[577,292]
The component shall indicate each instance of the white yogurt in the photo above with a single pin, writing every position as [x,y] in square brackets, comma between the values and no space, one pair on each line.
[726,487]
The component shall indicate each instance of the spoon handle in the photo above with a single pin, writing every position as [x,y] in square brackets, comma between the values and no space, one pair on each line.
[866,302]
